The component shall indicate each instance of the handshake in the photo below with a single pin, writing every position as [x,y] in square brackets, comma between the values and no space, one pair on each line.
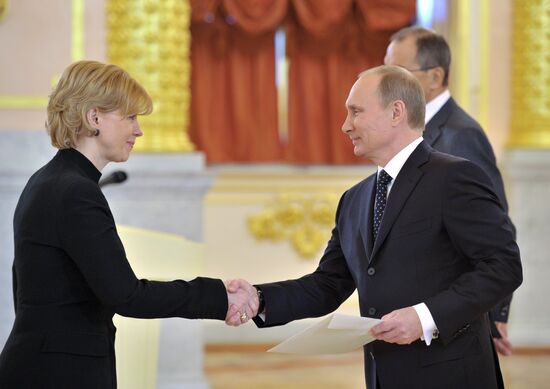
[242,302]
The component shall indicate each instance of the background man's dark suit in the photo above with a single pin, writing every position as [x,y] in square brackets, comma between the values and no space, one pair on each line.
[445,240]
[71,276]
[453,131]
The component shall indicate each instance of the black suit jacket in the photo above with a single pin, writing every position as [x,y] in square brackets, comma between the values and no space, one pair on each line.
[71,276]
[444,240]
[454,132]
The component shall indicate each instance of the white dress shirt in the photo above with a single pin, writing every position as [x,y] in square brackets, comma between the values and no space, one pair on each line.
[393,167]
[435,105]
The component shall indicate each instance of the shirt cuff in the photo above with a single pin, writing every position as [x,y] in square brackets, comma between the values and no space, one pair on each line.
[429,329]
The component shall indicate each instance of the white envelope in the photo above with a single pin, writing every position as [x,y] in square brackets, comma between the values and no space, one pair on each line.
[334,334]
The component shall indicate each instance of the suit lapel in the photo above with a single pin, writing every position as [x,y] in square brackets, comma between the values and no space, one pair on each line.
[366,218]
[434,126]
[403,186]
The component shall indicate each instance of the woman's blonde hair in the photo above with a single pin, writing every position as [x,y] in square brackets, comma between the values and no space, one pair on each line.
[85,85]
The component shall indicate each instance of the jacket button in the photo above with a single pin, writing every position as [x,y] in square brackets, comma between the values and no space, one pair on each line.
[372,311]
[371,271]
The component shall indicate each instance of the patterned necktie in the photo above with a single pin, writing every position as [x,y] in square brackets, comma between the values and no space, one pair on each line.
[380,202]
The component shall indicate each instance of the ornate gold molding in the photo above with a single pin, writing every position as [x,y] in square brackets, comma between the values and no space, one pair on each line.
[151,40]
[303,220]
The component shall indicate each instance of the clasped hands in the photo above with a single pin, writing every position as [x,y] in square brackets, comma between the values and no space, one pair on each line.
[401,326]
[243,302]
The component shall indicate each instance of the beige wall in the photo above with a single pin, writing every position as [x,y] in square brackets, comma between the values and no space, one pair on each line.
[36,41]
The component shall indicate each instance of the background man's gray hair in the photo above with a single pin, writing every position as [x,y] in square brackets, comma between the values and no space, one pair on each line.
[432,49]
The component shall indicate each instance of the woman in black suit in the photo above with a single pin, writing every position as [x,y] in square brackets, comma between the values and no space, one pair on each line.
[70,272]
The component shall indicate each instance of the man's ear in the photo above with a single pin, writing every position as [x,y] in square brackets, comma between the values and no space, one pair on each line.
[437,75]
[398,112]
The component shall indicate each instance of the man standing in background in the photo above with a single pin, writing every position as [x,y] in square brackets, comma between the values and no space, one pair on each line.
[449,128]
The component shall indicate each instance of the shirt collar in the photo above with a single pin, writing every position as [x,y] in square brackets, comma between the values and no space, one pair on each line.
[82,162]
[433,106]
[393,167]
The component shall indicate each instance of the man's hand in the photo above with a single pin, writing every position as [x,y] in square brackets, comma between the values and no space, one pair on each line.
[502,344]
[401,326]
[242,302]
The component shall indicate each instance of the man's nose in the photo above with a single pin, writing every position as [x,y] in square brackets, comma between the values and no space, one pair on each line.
[346,126]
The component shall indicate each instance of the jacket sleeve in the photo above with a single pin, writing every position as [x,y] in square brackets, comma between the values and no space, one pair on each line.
[471,143]
[88,235]
[313,295]
[480,232]
[501,311]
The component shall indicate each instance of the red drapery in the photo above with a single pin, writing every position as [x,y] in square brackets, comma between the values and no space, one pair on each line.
[233,92]
[234,102]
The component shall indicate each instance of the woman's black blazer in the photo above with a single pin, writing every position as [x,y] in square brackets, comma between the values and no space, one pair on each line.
[71,275]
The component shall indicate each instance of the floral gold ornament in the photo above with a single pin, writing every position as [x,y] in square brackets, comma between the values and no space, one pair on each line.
[305,221]
[151,39]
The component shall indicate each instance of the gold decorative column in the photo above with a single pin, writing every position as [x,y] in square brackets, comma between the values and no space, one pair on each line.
[3,8]
[530,89]
[151,40]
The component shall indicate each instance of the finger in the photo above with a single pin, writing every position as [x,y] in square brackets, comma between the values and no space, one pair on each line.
[250,312]
[233,286]
[505,346]
[234,320]
[253,310]
[392,337]
[502,328]
[233,309]
[377,330]
[254,304]
[231,321]
[389,316]
[240,283]
[397,337]
[383,327]
[381,335]
[501,348]
[232,313]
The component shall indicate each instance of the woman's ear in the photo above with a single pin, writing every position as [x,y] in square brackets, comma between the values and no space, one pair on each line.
[92,117]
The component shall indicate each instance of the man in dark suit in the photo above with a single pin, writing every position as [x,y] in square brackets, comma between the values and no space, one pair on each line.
[449,128]
[425,241]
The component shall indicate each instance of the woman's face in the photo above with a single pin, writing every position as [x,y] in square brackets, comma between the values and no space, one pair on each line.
[117,135]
